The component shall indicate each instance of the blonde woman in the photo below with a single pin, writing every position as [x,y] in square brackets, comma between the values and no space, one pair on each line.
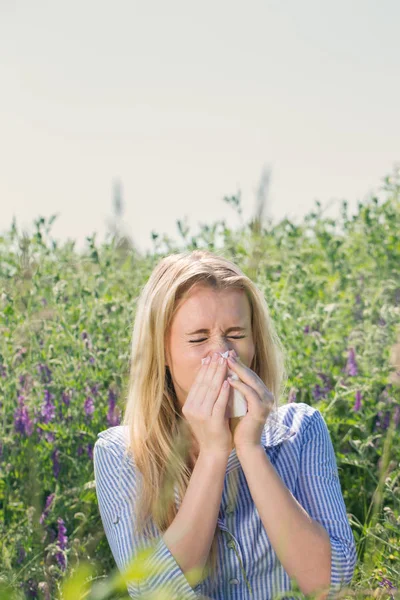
[253,503]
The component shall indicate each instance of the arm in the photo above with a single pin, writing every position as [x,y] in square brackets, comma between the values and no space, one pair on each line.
[190,535]
[190,542]
[312,528]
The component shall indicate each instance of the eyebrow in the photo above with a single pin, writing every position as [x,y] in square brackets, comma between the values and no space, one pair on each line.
[235,328]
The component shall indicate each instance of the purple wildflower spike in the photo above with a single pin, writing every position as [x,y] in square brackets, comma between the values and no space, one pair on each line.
[89,406]
[351,366]
[22,421]
[48,409]
[46,510]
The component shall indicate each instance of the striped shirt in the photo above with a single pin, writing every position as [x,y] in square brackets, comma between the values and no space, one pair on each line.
[298,444]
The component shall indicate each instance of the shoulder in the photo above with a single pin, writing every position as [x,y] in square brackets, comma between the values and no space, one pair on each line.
[111,446]
[296,420]
[114,437]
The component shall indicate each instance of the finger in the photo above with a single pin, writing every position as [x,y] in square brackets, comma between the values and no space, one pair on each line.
[194,390]
[247,376]
[219,409]
[214,387]
[252,396]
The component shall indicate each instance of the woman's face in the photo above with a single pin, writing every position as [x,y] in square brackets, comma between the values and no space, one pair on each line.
[225,318]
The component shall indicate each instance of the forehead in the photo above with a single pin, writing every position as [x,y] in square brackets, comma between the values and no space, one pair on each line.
[204,305]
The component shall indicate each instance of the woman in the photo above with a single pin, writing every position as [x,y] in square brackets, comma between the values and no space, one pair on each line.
[252,503]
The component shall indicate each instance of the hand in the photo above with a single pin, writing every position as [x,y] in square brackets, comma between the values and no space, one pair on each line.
[260,402]
[205,408]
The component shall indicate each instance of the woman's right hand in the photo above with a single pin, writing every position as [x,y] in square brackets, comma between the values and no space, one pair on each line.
[205,408]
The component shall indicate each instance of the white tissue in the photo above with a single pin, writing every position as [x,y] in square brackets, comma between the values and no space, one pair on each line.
[237,407]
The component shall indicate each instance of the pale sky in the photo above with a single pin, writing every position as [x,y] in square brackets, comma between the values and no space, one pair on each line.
[186,102]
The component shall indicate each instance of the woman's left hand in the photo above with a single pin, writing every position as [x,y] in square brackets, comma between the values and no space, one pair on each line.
[260,402]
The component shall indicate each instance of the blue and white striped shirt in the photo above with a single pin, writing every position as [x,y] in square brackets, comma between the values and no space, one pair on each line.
[298,444]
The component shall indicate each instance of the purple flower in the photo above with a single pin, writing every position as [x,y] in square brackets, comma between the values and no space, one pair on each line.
[89,406]
[62,534]
[292,395]
[62,541]
[383,421]
[3,372]
[56,464]
[46,509]
[351,366]
[45,373]
[113,415]
[61,559]
[357,404]
[95,389]
[388,585]
[22,421]
[66,398]
[48,409]
[306,329]
[80,451]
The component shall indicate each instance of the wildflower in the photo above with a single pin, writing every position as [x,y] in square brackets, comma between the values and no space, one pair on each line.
[46,510]
[62,541]
[48,409]
[113,415]
[22,421]
[61,559]
[383,420]
[62,534]
[306,329]
[45,373]
[292,395]
[319,391]
[351,366]
[66,398]
[3,372]
[357,404]
[79,451]
[89,406]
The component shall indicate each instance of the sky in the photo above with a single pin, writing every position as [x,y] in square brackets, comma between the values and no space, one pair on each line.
[185,103]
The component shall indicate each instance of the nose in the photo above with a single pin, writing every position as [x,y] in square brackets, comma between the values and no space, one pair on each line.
[223,349]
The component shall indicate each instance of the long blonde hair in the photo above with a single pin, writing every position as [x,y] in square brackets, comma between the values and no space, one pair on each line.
[158,433]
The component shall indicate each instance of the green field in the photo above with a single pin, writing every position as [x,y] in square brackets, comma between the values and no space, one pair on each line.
[333,289]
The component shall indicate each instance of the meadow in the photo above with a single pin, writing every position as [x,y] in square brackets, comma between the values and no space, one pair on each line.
[333,289]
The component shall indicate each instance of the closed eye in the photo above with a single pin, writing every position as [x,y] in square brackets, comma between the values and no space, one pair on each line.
[237,337]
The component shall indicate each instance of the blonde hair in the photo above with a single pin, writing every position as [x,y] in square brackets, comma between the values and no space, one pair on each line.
[158,433]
